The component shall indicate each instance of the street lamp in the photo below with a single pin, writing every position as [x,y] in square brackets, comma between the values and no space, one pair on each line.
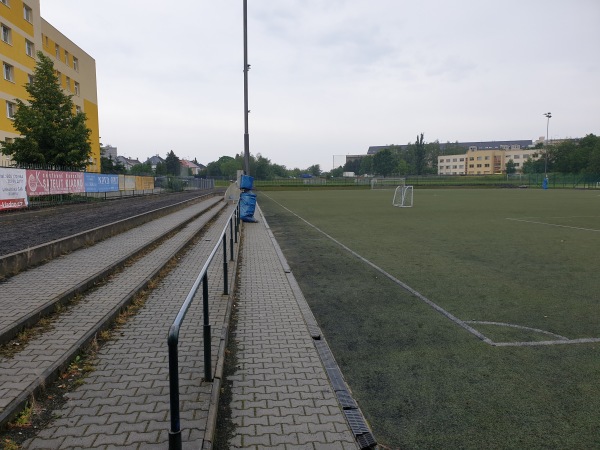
[548,115]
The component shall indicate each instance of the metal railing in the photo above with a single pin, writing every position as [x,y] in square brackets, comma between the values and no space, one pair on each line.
[233,226]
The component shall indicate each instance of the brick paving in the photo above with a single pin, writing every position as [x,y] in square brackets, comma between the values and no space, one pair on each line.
[28,293]
[281,393]
[124,402]
[287,391]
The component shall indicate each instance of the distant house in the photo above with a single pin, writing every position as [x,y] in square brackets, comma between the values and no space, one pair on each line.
[154,160]
[128,163]
[192,166]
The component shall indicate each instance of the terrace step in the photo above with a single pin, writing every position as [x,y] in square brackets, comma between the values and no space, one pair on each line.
[44,356]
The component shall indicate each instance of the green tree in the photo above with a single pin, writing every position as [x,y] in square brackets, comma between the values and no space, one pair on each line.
[52,132]
[511,167]
[338,172]
[366,165]
[229,167]
[384,162]
[420,155]
[314,170]
[107,165]
[173,164]
[142,169]
[160,169]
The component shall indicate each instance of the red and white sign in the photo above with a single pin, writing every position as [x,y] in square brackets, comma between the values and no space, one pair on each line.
[44,182]
[13,194]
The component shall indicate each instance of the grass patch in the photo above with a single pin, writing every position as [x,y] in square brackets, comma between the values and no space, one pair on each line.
[422,381]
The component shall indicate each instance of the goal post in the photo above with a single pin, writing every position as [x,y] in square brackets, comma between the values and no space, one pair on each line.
[403,197]
[387,183]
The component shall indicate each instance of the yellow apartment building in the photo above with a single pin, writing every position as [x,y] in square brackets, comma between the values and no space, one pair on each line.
[485,161]
[24,32]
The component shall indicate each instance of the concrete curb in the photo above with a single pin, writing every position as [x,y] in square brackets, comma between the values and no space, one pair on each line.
[213,409]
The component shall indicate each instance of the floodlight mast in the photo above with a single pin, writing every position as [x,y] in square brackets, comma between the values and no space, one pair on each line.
[548,115]
[246,110]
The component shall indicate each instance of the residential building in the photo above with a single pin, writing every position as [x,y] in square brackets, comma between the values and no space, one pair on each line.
[485,161]
[22,33]
[155,160]
[128,163]
[190,166]
[108,151]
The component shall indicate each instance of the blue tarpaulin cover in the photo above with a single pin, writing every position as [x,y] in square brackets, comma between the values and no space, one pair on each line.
[246,182]
[247,206]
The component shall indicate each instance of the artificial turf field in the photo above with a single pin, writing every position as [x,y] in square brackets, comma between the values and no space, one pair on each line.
[500,348]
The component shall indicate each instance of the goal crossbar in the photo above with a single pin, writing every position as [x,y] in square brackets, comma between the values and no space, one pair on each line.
[387,183]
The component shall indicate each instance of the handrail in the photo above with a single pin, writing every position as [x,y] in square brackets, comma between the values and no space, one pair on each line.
[173,339]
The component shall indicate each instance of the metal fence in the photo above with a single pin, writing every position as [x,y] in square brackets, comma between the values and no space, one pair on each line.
[535,180]
[233,228]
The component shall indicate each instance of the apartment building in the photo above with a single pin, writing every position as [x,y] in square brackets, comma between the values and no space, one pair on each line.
[23,32]
[485,160]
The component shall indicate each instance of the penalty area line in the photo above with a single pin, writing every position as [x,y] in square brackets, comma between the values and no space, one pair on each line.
[405,286]
[552,224]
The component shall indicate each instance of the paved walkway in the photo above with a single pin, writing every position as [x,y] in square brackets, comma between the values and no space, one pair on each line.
[281,394]
[287,391]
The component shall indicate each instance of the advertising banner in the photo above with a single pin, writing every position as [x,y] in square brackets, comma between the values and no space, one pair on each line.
[45,182]
[144,183]
[13,194]
[128,183]
[95,182]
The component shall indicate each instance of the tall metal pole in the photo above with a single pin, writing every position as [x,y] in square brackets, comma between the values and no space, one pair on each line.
[246,110]
[548,115]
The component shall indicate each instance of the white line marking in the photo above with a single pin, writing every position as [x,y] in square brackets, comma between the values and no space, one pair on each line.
[552,224]
[520,327]
[438,308]
[533,344]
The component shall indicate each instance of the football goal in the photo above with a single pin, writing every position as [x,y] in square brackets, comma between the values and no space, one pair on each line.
[403,197]
[387,183]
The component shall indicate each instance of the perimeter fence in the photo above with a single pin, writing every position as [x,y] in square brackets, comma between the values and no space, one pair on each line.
[34,187]
[534,180]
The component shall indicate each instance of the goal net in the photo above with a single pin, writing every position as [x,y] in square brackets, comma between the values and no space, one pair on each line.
[387,183]
[403,197]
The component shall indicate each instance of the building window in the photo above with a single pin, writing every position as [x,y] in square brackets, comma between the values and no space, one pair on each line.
[478,165]
[517,156]
[27,13]
[77,90]
[9,72]
[59,76]
[471,166]
[471,158]
[487,165]
[68,81]
[10,109]
[66,57]
[487,157]
[5,2]
[479,158]
[78,109]
[462,159]
[6,34]
[57,51]
[75,64]
[29,48]
[29,78]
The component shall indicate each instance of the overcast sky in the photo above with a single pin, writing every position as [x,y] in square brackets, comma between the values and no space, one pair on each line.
[333,77]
